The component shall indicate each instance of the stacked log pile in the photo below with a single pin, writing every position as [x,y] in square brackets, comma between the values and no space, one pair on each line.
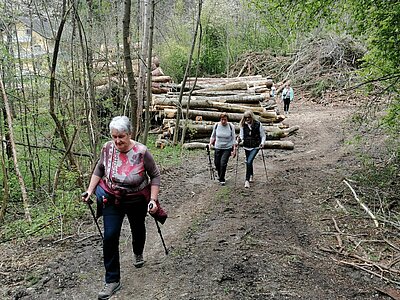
[110,75]
[158,79]
[208,97]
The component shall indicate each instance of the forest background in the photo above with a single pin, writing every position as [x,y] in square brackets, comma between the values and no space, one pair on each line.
[54,119]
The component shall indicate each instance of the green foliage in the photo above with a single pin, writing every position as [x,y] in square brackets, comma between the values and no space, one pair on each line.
[32,278]
[380,22]
[223,195]
[288,22]
[212,59]
[191,130]
[166,157]
[380,177]
[179,8]
[174,57]
[319,89]
[226,34]
[48,218]
[392,120]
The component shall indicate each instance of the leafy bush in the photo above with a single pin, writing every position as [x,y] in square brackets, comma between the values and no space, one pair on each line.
[212,59]
[174,59]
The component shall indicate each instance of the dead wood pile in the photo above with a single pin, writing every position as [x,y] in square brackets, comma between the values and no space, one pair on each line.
[210,97]
[320,70]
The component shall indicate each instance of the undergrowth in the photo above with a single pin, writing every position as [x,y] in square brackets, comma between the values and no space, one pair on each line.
[378,175]
[64,215]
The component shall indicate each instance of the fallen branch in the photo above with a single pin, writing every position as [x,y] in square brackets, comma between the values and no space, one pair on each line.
[363,205]
[337,235]
[367,270]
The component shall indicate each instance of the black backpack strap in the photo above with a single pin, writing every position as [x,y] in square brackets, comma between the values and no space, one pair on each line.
[230,126]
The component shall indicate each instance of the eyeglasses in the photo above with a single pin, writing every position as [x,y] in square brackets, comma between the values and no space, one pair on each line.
[247,117]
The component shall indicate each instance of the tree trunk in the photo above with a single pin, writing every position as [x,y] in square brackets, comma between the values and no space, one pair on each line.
[59,168]
[220,106]
[178,115]
[243,98]
[143,21]
[59,126]
[149,76]
[24,193]
[129,69]
[214,115]
[6,190]
[225,80]
[25,113]
[194,84]
[91,91]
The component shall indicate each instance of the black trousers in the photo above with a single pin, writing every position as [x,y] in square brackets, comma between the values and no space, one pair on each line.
[221,158]
[113,216]
[286,103]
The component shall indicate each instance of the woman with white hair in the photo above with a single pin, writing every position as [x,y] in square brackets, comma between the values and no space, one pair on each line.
[126,181]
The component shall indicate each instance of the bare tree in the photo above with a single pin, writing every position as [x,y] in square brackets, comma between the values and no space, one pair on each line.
[59,126]
[89,70]
[142,21]
[6,189]
[128,65]
[185,76]
[25,198]
[85,38]
[185,124]
[148,81]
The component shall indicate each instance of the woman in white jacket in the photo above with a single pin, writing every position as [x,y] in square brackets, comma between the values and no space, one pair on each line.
[287,97]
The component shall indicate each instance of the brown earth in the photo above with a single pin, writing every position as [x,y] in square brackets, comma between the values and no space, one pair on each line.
[271,241]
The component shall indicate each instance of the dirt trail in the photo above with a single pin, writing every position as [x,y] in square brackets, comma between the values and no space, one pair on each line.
[225,242]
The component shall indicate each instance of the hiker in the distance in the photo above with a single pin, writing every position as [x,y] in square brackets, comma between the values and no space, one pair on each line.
[126,181]
[224,141]
[272,92]
[287,97]
[253,136]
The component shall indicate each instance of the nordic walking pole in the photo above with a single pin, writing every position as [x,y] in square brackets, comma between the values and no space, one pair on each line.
[162,239]
[212,175]
[265,167]
[237,162]
[89,203]
[159,231]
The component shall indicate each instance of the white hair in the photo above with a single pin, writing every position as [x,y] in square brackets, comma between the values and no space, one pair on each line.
[121,124]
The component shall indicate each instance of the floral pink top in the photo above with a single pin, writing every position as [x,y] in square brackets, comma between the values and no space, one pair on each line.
[127,172]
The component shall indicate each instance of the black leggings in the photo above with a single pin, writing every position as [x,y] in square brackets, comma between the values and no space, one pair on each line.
[221,157]
[286,103]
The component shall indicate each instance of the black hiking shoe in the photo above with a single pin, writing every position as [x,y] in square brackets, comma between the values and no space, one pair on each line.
[108,290]
[139,261]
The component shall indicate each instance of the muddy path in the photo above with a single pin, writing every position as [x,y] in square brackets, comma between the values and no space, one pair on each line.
[228,242]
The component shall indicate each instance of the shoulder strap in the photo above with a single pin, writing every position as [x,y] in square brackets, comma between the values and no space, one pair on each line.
[230,126]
